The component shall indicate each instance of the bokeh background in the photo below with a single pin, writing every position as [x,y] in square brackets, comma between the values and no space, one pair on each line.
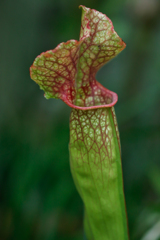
[38,199]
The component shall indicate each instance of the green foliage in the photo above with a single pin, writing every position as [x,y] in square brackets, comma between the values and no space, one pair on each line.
[68,72]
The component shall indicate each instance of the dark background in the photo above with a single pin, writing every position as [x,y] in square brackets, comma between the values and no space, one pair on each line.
[38,200]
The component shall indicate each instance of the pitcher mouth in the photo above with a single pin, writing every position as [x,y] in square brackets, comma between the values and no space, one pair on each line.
[111,100]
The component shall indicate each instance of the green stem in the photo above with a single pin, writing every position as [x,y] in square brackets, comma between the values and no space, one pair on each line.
[96,168]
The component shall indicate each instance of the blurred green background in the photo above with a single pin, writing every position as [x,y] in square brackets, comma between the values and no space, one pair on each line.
[38,200]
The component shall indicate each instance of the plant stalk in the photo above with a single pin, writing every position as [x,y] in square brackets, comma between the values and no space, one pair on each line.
[95,161]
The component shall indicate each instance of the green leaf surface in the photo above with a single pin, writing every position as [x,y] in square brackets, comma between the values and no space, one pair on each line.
[96,168]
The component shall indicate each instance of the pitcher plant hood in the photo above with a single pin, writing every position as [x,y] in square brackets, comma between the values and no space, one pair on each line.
[68,72]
